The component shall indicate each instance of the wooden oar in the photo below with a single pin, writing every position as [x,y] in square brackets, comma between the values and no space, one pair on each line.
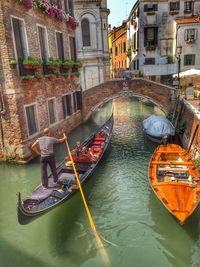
[98,240]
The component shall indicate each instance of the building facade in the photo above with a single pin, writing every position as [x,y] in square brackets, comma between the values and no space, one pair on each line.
[118,36]
[92,41]
[42,93]
[152,36]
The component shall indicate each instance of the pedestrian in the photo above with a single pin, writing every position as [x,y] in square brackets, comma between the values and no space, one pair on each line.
[43,146]
[128,74]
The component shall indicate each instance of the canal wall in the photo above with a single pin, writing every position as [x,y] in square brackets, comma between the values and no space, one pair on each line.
[191,116]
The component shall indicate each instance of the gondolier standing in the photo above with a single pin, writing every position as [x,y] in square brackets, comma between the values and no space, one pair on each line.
[46,152]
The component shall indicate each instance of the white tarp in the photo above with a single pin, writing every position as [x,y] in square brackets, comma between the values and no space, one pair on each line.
[158,126]
[188,73]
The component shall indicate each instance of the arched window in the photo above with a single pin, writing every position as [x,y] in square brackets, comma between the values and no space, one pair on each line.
[85,27]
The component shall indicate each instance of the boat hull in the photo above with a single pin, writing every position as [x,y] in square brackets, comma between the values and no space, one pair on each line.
[175,180]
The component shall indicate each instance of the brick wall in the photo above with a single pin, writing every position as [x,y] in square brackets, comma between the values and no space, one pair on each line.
[14,141]
[160,94]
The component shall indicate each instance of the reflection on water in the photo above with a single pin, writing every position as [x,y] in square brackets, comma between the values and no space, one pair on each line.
[138,229]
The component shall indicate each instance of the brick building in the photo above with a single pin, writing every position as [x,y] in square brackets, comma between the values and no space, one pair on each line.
[48,95]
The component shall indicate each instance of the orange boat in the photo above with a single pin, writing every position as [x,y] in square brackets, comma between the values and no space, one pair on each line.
[175,180]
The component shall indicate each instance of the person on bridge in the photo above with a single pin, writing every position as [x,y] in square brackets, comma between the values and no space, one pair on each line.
[46,152]
[128,74]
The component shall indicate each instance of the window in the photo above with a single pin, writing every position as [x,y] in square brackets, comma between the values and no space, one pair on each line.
[124,47]
[69,7]
[67,105]
[189,60]
[42,34]
[20,42]
[72,48]
[51,109]
[31,119]
[85,27]
[149,61]
[116,51]
[188,7]
[174,6]
[190,35]
[150,7]
[150,36]
[59,43]
[59,4]
[75,102]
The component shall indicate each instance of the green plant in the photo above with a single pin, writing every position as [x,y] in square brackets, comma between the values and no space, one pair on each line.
[13,61]
[50,76]
[181,125]
[78,63]
[197,163]
[28,77]
[38,76]
[53,62]
[32,61]
[68,63]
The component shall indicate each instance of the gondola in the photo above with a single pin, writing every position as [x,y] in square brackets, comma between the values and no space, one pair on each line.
[175,180]
[43,200]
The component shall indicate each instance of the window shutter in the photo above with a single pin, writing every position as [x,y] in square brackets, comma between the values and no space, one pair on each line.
[59,40]
[79,100]
[73,48]
[155,36]
[71,8]
[145,8]
[155,7]
[59,4]
[193,59]
[145,37]
[186,35]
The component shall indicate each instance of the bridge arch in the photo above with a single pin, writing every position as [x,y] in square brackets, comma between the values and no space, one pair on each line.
[161,95]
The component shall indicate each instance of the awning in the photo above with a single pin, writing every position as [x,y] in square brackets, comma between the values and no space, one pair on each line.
[188,73]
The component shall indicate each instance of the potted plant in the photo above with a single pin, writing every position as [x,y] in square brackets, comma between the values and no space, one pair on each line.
[50,76]
[68,64]
[13,63]
[78,64]
[28,79]
[32,63]
[52,63]
[38,76]
[66,75]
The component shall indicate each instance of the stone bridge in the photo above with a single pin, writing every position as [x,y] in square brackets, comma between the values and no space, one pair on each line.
[160,95]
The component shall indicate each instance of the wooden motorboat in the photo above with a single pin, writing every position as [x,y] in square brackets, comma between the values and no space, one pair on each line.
[175,180]
[42,200]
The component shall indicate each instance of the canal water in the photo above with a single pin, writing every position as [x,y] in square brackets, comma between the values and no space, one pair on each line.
[135,228]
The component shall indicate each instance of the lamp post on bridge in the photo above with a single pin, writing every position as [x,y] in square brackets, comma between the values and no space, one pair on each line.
[178,56]
[178,53]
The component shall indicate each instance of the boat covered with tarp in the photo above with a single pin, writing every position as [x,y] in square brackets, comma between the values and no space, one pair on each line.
[42,200]
[157,128]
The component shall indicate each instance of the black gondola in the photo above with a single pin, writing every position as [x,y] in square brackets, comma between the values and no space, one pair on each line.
[42,200]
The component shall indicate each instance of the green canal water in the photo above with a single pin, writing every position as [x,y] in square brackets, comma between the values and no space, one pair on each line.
[137,230]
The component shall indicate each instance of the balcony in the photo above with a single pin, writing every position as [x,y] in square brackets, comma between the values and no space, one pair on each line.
[173,12]
[190,40]
[159,69]
[150,47]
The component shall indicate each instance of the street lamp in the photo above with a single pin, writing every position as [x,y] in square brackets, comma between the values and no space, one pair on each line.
[178,56]
[178,53]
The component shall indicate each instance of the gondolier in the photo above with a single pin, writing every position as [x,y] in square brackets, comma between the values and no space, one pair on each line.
[46,152]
